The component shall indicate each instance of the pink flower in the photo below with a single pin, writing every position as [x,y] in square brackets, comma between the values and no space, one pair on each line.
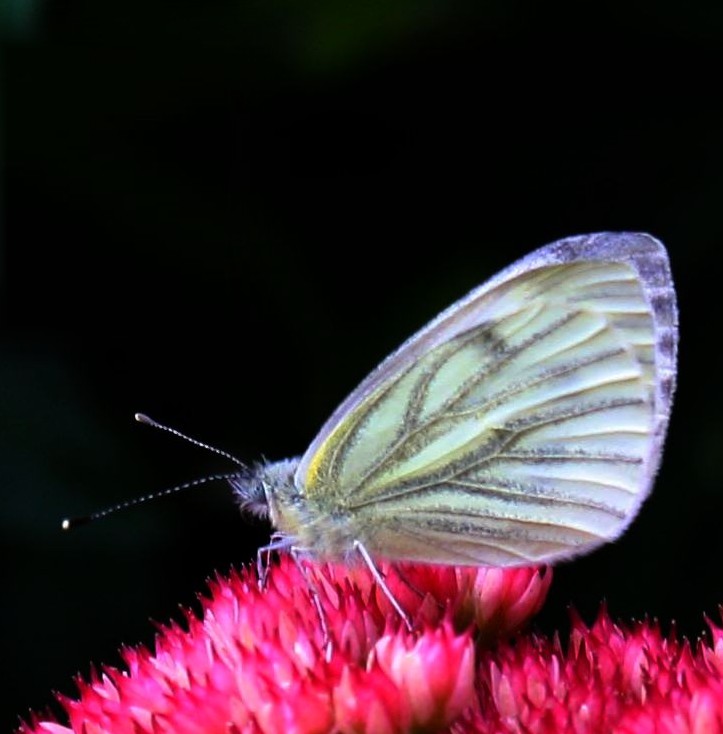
[256,662]
[609,679]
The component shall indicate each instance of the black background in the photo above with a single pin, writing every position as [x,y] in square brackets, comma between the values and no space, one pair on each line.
[225,214]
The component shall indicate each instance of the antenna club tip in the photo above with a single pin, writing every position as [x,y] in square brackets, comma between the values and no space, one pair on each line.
[72,522]
[142,418]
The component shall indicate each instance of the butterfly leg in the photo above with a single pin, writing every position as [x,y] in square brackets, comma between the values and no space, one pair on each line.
[376,573]
[326,642]
[278,542]
[282,542]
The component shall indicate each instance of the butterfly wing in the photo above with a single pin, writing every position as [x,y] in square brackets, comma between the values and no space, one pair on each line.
[523,424]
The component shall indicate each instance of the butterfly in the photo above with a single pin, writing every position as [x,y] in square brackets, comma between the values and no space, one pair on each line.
[523,425]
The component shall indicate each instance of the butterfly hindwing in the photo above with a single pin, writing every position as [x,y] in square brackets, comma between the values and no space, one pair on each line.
[523,424]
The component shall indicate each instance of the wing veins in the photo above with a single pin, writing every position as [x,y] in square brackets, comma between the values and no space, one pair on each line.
[533,496]
[420,389]
[373,402]
[455,550]
[440,514]
[420,489]
[541,456]
[514,435]
[521,387]
[493,401]
[506,357]
[608,432]
[536,498]
[523,426]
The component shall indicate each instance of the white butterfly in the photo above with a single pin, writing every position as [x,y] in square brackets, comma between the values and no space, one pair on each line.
[523,425]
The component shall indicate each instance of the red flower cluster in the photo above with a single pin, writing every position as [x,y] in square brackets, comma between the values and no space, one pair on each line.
[256,662]
[610,679]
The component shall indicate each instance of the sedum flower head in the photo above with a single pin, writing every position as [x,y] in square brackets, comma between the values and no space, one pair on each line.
[608,679]
[255,661]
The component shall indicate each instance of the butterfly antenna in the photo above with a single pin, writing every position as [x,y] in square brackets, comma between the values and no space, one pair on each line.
[70,523]
[73,522]
[142,418]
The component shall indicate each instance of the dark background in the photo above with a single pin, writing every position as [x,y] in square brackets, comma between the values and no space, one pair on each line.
[224,214]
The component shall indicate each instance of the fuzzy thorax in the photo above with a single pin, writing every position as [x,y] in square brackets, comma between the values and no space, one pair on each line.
[270,491]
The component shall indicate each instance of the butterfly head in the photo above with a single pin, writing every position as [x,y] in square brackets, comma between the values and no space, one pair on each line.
[259,487]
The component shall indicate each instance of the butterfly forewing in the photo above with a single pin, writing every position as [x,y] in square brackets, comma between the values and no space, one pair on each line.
[523,424]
